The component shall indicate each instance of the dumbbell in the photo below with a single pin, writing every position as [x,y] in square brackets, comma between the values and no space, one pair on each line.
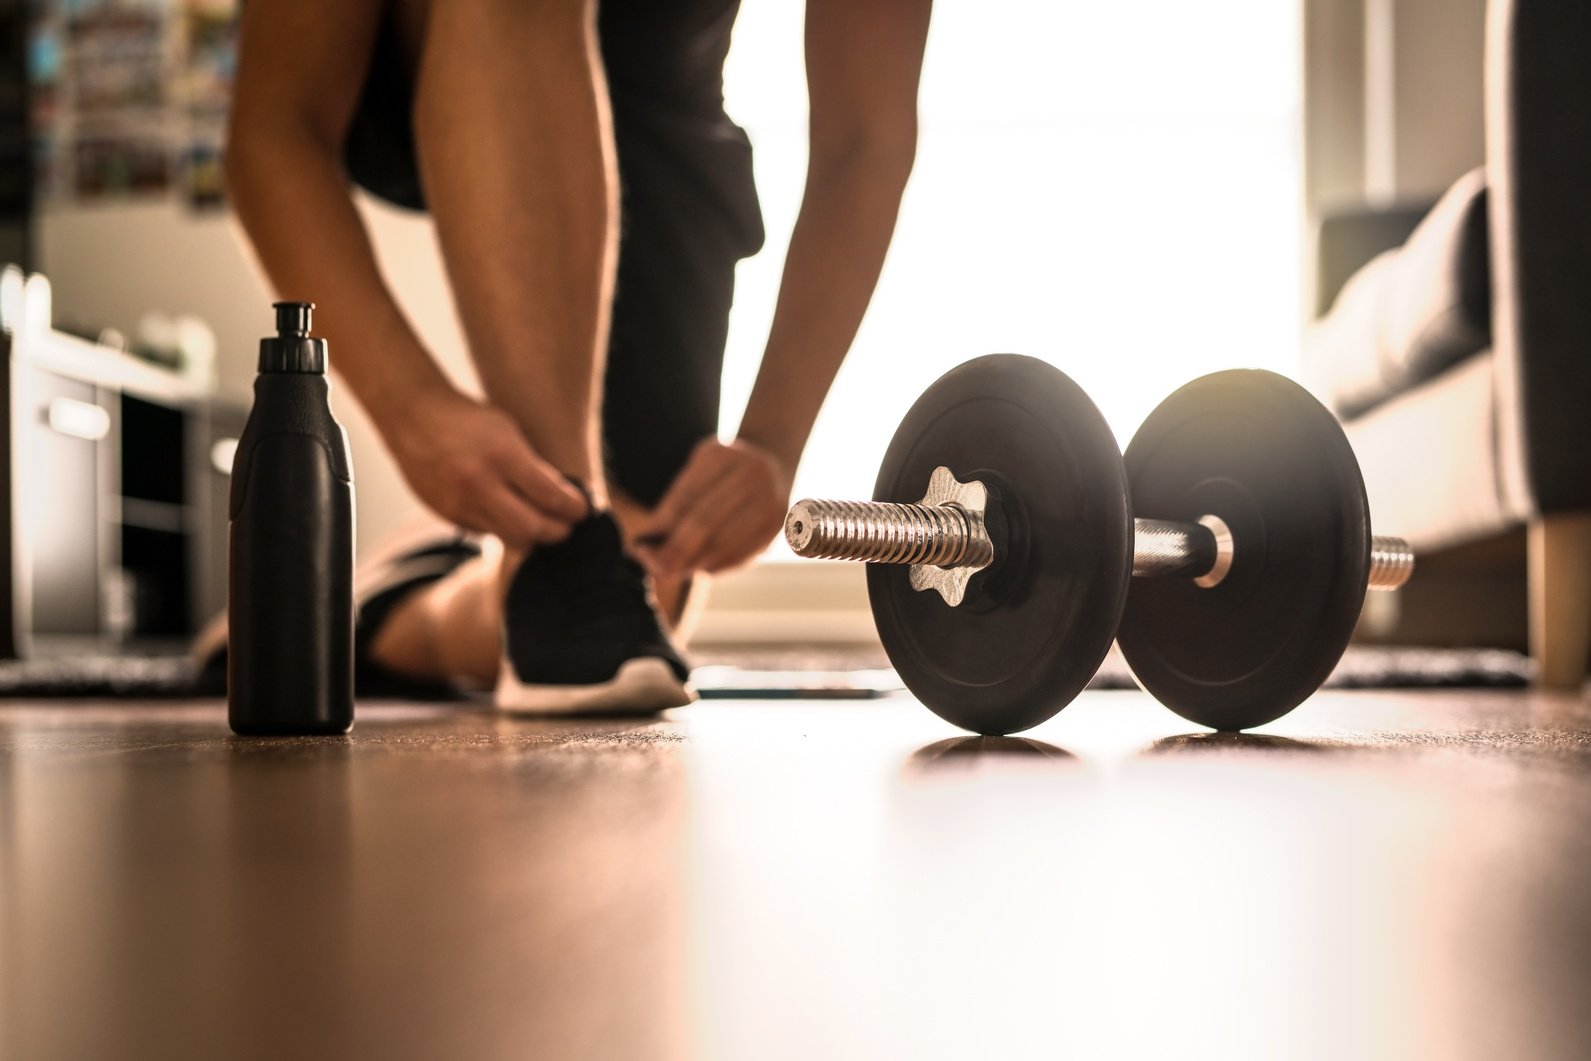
[1004,556]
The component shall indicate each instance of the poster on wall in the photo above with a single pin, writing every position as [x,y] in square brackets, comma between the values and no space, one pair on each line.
[120,163]
[44,102]
[203,182]
[117,57]
[210,30]
[209,62]
[130,98]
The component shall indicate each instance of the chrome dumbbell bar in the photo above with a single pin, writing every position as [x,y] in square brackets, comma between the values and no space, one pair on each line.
[947,532]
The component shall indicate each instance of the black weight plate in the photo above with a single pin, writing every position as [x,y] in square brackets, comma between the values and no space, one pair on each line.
[1035,625]
[1257,450]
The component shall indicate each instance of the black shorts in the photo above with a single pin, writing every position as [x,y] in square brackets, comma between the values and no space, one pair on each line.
[689,212]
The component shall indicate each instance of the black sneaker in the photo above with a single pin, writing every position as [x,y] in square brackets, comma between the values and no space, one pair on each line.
[581,632]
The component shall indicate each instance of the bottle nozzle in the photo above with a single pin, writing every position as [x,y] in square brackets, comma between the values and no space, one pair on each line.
[291,349]
[292,319]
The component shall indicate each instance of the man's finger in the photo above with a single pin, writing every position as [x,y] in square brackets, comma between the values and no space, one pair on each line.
[512,519]
[701,473]
[729,549]
[732,552]
[748,535]
[688,535]
[543,486]
[706,519]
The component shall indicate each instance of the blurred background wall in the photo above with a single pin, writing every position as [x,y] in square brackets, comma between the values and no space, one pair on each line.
[1392,98]
[1114,190]
[111,263]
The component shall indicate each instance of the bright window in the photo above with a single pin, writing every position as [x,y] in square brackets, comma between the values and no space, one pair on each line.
[1113,187]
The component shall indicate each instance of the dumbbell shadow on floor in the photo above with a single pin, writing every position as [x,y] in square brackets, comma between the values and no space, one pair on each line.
[1004,555]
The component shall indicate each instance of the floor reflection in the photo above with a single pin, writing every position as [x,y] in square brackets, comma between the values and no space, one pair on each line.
[421,890]
[963,752]
[1229,743]
[770,881]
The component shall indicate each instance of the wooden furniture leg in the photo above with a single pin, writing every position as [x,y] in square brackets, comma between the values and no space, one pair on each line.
[1560,599]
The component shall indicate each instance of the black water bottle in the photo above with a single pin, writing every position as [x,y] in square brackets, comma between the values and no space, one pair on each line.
[290,593]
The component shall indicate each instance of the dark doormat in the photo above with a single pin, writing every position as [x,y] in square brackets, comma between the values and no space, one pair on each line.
[764,673]
[98,676]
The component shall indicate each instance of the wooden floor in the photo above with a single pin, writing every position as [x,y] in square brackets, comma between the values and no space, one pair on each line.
[1377,876]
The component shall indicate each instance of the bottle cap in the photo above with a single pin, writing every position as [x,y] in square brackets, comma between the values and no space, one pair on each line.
[291,349]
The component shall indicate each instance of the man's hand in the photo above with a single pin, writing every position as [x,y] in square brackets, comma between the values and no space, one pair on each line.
[722,510]
[472,465]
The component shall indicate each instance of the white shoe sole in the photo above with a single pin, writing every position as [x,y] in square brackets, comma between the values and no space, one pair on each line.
[641,687]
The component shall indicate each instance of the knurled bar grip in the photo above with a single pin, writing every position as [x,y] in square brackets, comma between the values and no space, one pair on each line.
[1162,548]
[883,532]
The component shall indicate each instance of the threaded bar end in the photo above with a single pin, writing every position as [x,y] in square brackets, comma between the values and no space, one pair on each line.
[879,532]
[1391,562]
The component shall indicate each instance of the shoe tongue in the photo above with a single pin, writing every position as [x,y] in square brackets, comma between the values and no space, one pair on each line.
[594,544]
[592,556]
[594,561]
[598,533]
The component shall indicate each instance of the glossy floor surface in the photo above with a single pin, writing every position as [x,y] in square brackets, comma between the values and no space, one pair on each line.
[1397,875]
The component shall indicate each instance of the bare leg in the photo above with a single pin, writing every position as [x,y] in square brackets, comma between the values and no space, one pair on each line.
[450,629]
[516,152]
[447,630]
